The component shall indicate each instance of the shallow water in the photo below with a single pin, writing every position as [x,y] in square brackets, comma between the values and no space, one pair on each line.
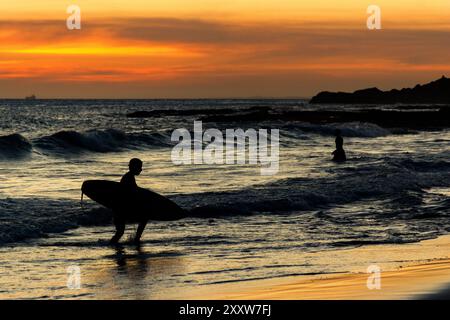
[176,264]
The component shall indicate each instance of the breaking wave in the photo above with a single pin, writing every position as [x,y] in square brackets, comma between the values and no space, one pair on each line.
[14,146]
[109,140]
[393,179]
[348,129]
[33,218]
[112,140]
[297,194]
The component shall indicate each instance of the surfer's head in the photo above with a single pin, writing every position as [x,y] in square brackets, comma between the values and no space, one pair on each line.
[135,166]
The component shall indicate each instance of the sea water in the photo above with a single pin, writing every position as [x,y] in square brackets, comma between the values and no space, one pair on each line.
[394,188]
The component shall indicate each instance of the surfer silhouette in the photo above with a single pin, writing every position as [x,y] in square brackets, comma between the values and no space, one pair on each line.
[120,217]
[339,153]
[130,203]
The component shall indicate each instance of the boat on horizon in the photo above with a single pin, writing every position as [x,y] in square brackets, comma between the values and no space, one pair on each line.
[32,97]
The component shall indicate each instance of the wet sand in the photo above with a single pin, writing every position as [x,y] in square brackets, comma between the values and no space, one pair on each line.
[163,269]
[427,279]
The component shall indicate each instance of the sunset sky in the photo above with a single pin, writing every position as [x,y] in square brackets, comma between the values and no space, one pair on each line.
[210,48]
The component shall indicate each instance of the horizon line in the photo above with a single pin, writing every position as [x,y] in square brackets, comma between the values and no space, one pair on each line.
[197,98]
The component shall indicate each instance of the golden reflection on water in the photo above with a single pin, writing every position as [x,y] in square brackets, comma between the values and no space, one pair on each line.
[133,273]
[40,272]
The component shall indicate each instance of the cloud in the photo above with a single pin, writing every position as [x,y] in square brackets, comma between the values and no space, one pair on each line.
[170,50]
[283,40]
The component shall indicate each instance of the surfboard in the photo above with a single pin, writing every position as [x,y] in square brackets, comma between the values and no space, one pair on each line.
[133,204]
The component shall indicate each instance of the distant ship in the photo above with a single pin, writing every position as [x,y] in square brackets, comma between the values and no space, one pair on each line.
[32,97]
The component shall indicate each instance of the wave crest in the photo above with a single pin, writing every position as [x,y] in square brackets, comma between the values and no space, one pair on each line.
[348,129]
[14,146]
[108,140]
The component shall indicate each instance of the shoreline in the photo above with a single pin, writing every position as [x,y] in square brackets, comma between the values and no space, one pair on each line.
[425,279]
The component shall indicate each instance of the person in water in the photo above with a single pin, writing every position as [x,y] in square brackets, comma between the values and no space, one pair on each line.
[128,180]
[339,153]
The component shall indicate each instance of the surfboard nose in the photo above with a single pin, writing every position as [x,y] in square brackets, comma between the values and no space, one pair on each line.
[86,187]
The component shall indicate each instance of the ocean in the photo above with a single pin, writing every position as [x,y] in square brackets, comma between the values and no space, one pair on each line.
[393,189]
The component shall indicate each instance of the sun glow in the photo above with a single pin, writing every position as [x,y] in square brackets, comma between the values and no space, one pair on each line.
[220,48]
[103,51]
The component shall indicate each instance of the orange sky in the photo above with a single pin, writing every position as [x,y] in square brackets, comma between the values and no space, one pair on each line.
[210,48]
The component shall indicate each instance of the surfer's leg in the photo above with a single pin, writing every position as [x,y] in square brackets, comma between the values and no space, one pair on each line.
[120,229]
[139,231]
